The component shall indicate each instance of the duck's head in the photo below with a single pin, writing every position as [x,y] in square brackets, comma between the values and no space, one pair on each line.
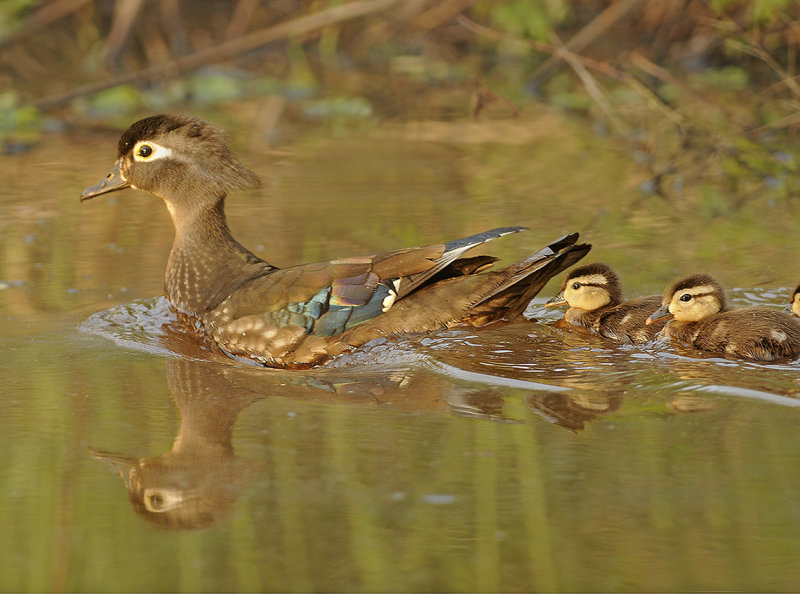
[794,304]
[589,287]
[184,160]
[691,299]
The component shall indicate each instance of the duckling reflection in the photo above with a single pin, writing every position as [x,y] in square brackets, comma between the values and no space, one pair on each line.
[594,296]
[701,320]
[573,409]
[580,379]
[196,483]
[565,378]
[484,404]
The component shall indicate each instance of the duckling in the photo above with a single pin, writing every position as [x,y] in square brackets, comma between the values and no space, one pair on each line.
[595,301]
[701,319]
[305,315]
[794,303]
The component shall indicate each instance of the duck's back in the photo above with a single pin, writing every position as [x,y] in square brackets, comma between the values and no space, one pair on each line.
[626,322]
[287,315]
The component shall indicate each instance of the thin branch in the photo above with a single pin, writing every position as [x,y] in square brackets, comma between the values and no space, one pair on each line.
[590,84]
[751,49]
[125,14]
[484,31]
[577,62]
[598,25]
[441,12]
[231,48]
[42,17]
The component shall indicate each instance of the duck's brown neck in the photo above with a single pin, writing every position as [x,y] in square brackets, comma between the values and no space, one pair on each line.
[206,263]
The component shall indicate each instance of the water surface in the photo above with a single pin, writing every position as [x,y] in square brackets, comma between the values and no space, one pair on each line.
[518,457]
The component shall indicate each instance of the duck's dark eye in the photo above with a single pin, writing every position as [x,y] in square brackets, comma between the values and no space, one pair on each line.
[145,151]
[156,501]
[576,286]
[686,297]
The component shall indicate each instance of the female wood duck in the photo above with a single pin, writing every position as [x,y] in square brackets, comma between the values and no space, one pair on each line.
[301,316]
[701,320]
[595,301]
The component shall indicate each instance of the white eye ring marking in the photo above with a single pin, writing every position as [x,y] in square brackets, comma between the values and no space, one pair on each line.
[156,151]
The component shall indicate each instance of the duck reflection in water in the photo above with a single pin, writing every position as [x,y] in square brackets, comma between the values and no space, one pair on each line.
[197,482]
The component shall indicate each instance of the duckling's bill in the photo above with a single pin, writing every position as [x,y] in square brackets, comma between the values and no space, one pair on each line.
[661,312]
[115,180]
[556,301]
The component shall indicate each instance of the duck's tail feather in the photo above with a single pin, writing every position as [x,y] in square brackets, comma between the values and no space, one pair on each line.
[522,281]
[473,299]
[452,251]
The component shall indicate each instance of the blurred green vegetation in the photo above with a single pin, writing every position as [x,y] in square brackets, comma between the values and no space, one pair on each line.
[537,20]
[695,91]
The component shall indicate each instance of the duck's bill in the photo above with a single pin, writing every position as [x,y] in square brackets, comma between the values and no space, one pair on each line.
[110,183]
[661,313]
[121,464]
[556,301]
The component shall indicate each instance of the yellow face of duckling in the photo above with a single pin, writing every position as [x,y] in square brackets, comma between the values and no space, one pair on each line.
[691,299]
[589,287]
[695,303]
[589,292]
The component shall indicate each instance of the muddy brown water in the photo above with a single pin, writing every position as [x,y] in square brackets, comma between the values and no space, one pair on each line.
[513,458]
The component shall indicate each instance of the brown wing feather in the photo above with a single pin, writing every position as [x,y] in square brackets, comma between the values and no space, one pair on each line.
[276,290]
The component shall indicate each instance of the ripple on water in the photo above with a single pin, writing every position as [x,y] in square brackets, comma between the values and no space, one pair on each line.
[140,325]
[151,326]
[528,353]
[580,360]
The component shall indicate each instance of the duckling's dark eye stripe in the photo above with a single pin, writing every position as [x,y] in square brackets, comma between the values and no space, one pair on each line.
[695,295]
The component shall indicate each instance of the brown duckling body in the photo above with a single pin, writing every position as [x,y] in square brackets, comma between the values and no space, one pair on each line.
[301,316]
[701,319]
[594,296]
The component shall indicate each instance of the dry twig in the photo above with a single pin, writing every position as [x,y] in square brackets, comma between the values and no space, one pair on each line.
[40,18]
[231,48]
[599,25]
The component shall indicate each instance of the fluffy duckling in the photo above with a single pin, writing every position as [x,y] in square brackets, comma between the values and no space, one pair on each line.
[595,301]
[701,320]
[794,303]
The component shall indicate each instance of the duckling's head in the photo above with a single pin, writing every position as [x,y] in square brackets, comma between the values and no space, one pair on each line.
[795,302]
[589,287]
[184,160]
[691,299]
